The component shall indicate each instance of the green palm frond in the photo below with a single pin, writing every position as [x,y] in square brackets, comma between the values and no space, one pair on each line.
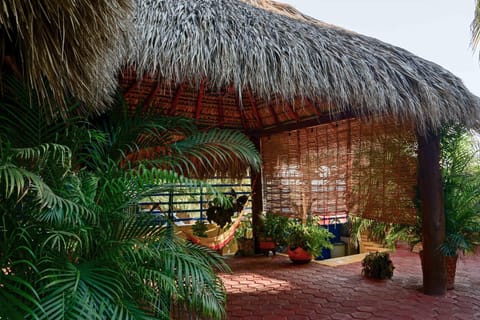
[174,143]
[75,291]
[18,296]
[18,182]
[78,190]
[26,122]
[44,153]
[130,132]
[211,152]
[217,149]
[475,26]
[461,185]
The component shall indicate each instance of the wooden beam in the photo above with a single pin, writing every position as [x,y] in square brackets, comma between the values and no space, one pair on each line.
[253,104]
[274,114]
[221,112]
[293,113]
[257,201]
[152,95]
[135,84]
[243,119]
[178,93]
[433,215]
[241,113]
[201,91]
[315,107]
[304,123]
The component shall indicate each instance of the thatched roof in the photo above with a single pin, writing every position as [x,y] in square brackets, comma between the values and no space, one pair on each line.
[277,66]
[77,46]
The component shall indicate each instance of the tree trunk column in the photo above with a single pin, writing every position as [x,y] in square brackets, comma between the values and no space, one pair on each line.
[433,217]
[257,199]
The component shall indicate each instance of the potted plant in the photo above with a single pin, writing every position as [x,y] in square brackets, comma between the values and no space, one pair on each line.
[272,232]
[377,265]
[244,237]
[461,186]
[306,240]
[221,210]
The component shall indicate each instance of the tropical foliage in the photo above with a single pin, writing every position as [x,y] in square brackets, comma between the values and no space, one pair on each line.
[386,233]
[460,164]
[475,25]
[308,236]
[461,186]
[274,226]
[74,244]
[377,265]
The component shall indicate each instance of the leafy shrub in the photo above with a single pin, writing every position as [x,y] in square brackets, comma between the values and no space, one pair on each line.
[221,211]
[377,265]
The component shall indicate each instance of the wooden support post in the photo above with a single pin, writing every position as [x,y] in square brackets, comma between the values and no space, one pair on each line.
[257,199]
[433,216]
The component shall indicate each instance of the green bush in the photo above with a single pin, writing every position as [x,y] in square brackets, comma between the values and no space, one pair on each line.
[275,227]
[309,236]
[377,265]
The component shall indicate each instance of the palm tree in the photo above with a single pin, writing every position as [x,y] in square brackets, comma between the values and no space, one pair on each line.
[475,26]
[461,185]
[74,243]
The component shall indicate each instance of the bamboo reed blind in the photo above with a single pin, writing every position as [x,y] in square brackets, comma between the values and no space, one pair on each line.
[355,167]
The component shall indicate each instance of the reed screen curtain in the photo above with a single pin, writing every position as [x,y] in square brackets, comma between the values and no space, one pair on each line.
[349,167]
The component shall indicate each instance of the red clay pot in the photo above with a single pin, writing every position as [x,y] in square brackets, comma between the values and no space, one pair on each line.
[299,256]
[267,245]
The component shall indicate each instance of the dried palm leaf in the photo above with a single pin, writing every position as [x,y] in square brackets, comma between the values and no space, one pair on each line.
[66,47]
[280,52]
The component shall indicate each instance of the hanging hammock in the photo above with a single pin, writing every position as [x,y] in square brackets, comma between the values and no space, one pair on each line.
[219,241]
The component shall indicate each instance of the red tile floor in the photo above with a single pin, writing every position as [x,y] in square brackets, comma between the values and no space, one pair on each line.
[273,288]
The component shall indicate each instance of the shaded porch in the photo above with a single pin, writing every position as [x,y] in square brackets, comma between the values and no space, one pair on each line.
[273,288]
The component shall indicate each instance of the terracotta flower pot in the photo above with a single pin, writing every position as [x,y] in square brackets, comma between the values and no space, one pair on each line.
[299,255]
[451,265]
[267,245]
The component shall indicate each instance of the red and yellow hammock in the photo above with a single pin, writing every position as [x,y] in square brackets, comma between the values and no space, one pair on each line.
[217,238]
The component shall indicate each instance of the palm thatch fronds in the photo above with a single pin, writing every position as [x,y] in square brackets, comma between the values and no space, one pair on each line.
[475,25]
[66,47]
[233,44]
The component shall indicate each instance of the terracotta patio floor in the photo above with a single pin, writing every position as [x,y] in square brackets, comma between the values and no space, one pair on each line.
[273,288]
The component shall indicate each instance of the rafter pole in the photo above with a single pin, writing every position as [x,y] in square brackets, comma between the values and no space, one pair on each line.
[253,104]
[257,200]
[293,113]
[305,123]
[315,107]
[273,113]
[201,92]
[176,97]
[221,112]
[135,84]
[241,113]
[151,96]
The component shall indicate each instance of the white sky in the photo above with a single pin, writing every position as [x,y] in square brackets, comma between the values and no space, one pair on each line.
[437,30]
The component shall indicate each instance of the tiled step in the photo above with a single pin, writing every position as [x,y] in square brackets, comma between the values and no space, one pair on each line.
[340,261]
